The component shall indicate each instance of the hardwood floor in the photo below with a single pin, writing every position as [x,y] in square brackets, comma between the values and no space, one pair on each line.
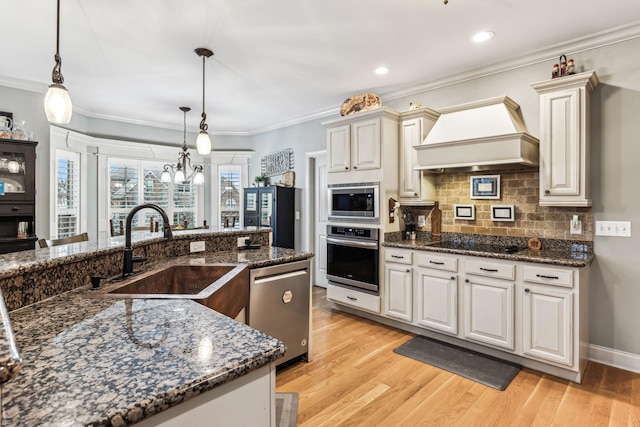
[355,379]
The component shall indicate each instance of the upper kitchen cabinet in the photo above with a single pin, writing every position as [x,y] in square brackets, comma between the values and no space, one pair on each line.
[17,195]
[564,139]
[415,187]
[358,145]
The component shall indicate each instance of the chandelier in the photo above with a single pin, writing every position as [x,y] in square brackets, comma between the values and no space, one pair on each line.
[183,171]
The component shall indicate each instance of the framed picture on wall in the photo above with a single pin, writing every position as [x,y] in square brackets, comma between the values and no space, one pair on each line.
[464,212]
[485,187]
[503,213]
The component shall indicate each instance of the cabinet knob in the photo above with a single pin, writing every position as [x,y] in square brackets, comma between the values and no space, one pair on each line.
[415,194]
[546,192]
[15,208]
[453,277]
[466,280]
[355,167]
[346,168]
[408,270]
[526,290]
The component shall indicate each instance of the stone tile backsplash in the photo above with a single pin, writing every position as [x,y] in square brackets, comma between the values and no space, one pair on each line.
[519,188]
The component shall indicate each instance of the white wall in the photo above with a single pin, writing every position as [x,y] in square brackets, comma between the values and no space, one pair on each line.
[614,163]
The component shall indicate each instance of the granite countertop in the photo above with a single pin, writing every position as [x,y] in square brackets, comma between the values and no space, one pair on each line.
[97,361]
[554,255]
[89,361]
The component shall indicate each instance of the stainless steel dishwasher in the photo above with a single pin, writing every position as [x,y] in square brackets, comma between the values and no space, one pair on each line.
[280,303]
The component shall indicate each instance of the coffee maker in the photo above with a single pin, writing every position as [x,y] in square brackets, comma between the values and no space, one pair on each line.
[409,225]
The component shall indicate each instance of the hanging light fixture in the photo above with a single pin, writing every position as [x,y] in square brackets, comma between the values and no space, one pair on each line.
[57,103]
[183,171]
[203,142]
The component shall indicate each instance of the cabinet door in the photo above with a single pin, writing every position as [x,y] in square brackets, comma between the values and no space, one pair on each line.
[560,174]
[17,171]
[437,300]
[488,311]
[339,149]
[410,135]
[365,144]
[266,208]
[399,290]
[547,327]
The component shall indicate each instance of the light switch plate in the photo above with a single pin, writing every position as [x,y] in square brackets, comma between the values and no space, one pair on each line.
[613,228]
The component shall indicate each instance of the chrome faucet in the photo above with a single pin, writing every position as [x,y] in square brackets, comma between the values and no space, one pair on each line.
[129,259]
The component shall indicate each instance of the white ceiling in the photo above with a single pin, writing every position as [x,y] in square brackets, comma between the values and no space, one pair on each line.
[275,62]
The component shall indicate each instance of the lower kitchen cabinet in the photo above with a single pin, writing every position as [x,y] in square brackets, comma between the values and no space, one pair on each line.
[352,298]
[489,311]
[437,297]
[547,320]
[399,292]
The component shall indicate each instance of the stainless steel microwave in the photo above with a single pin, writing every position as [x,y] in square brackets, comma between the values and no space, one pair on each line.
[356,202]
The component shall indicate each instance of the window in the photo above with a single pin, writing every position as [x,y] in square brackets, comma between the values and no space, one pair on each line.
[229,200]
[67,193]
[134,182]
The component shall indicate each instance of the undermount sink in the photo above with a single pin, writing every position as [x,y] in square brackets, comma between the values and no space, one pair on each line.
[221,287]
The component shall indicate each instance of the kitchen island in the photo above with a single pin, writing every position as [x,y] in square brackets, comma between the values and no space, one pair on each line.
[98,361]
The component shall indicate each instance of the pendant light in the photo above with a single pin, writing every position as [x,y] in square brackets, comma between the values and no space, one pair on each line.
[57,103]
[180,169]
[203,142]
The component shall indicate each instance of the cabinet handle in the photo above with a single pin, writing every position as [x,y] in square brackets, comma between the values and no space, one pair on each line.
[526,290]
[436,262]
[352,298]
[547,277]
[397,256]
[466,280]
[546,192]
[490,270]
[15,208]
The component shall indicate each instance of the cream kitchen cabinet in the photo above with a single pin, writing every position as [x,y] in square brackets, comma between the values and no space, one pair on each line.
[489,304]
[564,139]
[548,314]
[398,274]
[354,147]
[415,188]
[436,283]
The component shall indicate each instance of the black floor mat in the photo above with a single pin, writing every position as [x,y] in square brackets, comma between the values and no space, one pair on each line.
[486,370]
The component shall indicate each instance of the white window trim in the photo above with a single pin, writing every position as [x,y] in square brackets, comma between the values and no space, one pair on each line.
[226,158]
[62,139]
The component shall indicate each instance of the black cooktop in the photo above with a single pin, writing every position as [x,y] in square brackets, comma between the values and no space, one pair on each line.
[478,247]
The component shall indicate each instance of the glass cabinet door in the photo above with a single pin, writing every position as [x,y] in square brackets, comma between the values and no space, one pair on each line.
[17,177]
[266,208]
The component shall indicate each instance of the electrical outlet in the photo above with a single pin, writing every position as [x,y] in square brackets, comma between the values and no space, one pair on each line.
[241,241]
[575,225]
[613,228]
[196,247]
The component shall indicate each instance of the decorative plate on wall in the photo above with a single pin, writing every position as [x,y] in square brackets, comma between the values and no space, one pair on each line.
[360,102]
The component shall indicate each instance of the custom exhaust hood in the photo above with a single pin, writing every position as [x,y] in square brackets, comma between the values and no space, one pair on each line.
[483,135]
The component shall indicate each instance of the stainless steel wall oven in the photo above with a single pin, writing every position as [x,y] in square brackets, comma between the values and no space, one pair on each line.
[352,257]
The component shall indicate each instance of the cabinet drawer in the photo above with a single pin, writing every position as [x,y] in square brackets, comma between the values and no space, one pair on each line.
[548,276]
[16,209]
[437,261]
[398,256]
[353,298]
[491,269]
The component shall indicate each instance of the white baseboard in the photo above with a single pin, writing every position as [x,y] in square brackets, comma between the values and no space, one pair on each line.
[615,358]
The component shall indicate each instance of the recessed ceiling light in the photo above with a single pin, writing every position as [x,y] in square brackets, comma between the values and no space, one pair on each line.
[381,70]
[483,36]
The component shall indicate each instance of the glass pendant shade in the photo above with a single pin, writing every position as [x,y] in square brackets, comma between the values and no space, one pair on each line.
[178,178]
[57,104]
[198,179]
[203,143]
[166,177]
